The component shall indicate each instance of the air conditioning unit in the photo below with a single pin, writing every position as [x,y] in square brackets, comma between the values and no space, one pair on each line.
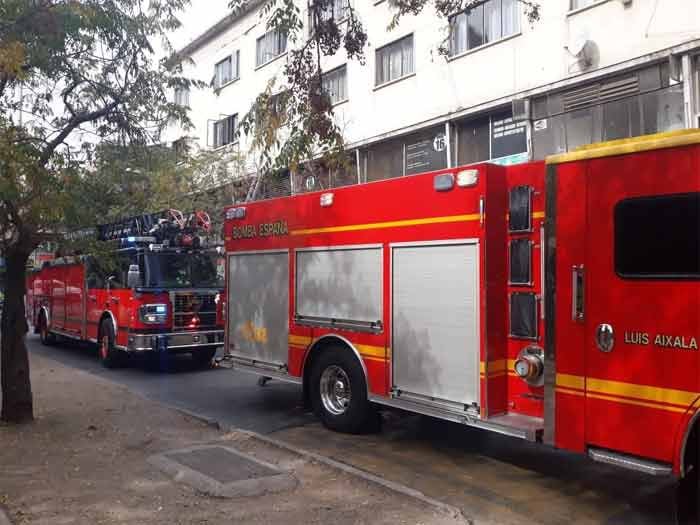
[521,109]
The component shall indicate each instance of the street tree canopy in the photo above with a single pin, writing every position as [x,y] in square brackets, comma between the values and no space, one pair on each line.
[73,73]
[292,122]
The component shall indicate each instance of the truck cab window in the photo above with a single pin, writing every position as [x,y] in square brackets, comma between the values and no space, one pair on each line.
[181,270]
[658,237]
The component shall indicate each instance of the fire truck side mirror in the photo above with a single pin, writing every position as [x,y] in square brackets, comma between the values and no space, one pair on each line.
[133,277]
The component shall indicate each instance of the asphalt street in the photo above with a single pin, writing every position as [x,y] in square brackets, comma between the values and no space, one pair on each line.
[492,478]
[230,397]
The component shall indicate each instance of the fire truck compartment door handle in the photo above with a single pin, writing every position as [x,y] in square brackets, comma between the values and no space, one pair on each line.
[115,300]
[481,210]
[577,294]
[605,337]
[92,298]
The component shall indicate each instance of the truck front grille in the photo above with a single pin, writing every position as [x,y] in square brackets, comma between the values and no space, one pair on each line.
[194,311]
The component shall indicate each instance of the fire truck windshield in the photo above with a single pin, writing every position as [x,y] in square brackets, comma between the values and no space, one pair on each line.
[182,270]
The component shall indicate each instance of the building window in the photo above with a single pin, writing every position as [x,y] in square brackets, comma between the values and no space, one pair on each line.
[225,131]
[658,237]
[227,70]
[180,149]
[182,97]
[270,46]
[335,84]
[336,10]
[415,153]
[395,60]
[494,137]
[482,24]
[635,104]
[580,4]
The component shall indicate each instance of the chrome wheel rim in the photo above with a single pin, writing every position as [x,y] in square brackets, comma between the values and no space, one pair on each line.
[335,390]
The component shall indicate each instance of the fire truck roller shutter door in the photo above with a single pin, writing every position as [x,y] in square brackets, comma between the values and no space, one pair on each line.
[258,321]
[343,284]
[435,339]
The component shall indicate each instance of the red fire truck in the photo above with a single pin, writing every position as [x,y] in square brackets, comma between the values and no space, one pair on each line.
[554,301]
[158,291]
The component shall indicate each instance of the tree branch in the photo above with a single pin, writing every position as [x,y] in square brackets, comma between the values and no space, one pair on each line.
[71,125]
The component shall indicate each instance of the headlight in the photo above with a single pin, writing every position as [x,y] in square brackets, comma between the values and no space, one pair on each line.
[153,313]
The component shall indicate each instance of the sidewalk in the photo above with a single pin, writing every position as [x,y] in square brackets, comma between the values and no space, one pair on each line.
[88,459]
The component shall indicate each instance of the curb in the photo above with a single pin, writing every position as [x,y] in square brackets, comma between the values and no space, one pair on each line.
[372,478]
[209,421]
[440,506]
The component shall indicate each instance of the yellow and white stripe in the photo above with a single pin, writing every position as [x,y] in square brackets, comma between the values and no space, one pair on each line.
[668,399]
[388,224]
[368,352]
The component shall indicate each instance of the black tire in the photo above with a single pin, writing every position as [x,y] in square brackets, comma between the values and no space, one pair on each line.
[202,358]
[110,356]
[46,337]
[688,490]
[337,369]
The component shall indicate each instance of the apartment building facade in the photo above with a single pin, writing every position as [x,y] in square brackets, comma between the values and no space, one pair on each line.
[508,91]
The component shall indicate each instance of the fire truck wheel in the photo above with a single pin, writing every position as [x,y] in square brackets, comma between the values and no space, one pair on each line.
[46,337]
[688,490]
[339,392]
[110,356]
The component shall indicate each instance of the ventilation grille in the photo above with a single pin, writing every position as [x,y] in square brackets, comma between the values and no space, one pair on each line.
[194,311]
[619,89]
[600,93]
[274,185]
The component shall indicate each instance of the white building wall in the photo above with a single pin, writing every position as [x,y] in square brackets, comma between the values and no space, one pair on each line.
[537,57]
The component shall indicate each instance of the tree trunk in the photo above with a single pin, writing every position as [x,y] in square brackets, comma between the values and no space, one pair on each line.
[17,404]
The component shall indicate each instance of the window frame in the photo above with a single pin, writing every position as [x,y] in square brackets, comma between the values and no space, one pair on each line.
[217,83]
[616,245]
[274,57]
[180,149]
[232,134]
[182,92]
[573,10]
[338,20]
[382,48]
[335,70]
[468,50]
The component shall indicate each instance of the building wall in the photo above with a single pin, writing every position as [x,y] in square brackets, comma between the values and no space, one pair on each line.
[534,61]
